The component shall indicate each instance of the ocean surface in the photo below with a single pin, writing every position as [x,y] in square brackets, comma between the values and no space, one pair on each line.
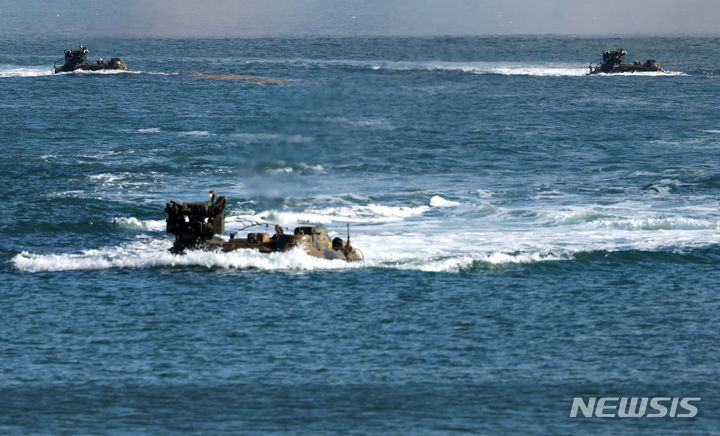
[531,234]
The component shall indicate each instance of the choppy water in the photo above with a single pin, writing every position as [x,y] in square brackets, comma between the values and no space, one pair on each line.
[530,233]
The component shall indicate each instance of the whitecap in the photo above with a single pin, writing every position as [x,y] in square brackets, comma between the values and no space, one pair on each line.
[458,263]
[482,193]
[282,170]
[104,177]
[438,201]
[315,168]
[196,133]
[132,223]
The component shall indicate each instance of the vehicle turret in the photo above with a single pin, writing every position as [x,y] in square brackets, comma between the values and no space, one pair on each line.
[193,223]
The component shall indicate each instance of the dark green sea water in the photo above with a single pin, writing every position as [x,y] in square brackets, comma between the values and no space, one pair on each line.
[531,234]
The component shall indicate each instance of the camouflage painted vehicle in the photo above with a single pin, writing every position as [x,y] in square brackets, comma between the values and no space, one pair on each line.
[614,62]
[75,60]
[197,224]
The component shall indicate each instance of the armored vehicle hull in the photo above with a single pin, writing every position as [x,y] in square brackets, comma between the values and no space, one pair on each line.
[197,224]
[75,60]
[613,62]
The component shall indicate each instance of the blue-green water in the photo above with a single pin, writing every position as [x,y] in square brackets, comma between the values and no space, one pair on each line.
[531,234]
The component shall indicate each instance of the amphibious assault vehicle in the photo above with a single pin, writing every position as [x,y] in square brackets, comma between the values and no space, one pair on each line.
[197,224]
[75,60]
[614,62]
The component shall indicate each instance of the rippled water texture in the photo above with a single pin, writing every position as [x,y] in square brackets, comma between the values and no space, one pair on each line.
[531,234]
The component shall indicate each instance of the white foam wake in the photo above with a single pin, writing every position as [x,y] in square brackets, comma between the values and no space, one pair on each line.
[643,74]
[451,252]
[500,68]
[18,71]
[505,68]
[10,71]
[404,237]
[154,254]
[409,250]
